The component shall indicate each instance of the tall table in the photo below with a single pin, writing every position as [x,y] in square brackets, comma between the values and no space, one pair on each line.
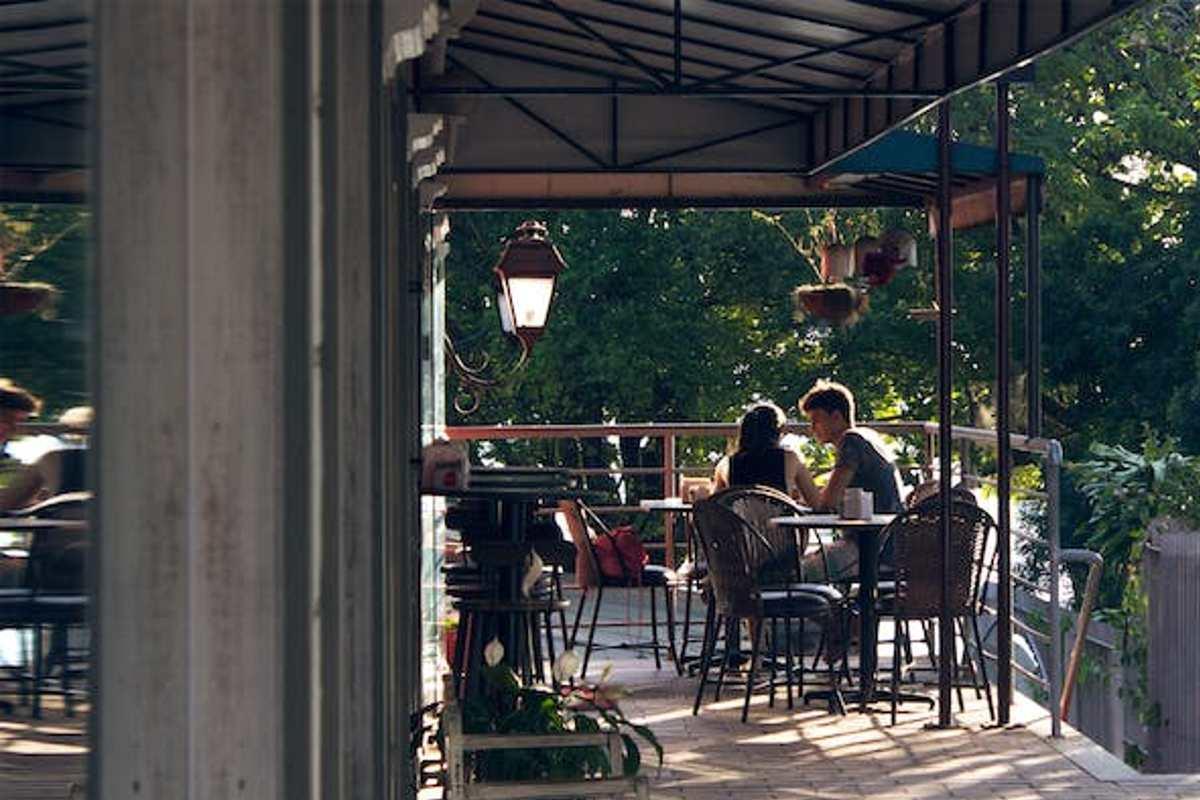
[865,533]
[511,511]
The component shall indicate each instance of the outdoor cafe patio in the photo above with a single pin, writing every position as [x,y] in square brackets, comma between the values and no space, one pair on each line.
[271,184]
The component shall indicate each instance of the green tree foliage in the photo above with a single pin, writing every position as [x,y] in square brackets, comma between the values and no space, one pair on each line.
[47,352]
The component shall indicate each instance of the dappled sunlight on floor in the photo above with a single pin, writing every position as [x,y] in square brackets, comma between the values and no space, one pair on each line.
[42,758]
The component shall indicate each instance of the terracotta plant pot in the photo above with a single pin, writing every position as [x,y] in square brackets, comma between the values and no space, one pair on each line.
[837,262]
[837,303]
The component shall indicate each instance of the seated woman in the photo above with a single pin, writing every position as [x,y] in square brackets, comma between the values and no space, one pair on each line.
[761,461]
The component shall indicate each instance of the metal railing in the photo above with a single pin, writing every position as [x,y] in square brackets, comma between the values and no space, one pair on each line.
[1049,451]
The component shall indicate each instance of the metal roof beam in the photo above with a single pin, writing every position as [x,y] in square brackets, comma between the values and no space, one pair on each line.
[45,25]
[463,44]
[689,59]
[759,32]
[670,91]
[900,8]
[793,60]
[721,47]
[584,26]
[49,48]
[62,71]
[733,137]
[557,132]
[823,22]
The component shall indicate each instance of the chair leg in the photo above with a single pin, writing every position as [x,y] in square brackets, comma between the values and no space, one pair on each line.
[731,630]
[774,650]
[956,672]
[754,652]
[987,687]
[654,628]
[787,624]
[38,666]
[687,623]
[707,646]
[908,656]
[64,632]
[587,653]
[570,643]
[669,603]
[901,630]
[562,612]
[962,631]
[550,647]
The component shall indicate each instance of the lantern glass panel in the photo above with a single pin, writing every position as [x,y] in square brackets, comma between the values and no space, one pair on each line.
[530,299]
[505,308]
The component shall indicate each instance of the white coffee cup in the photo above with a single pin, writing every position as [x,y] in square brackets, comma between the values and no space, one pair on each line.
[867,508]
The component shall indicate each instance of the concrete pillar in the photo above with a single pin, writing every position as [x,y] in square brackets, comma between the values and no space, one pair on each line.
[240,189]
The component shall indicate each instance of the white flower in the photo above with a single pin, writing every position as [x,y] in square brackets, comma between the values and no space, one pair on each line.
[493,654]
[533,574]
[566,666]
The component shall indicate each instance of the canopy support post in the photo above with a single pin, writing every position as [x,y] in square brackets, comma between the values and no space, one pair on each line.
[945,297]
[1003,444]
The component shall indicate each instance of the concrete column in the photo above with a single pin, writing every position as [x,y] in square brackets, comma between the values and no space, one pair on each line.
[239,189]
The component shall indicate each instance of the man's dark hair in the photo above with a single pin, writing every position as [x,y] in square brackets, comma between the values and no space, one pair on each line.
[18,399]
[829,396]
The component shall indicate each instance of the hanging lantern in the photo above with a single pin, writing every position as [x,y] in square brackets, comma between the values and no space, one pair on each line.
[525,280]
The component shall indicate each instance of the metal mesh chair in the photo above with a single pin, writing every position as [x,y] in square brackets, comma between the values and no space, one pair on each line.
[590,579]
[737,595]
[917,538]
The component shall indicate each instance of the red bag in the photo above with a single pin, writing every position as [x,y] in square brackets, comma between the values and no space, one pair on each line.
[620,554]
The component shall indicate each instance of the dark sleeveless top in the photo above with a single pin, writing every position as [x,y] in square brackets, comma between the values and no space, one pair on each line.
[761,468]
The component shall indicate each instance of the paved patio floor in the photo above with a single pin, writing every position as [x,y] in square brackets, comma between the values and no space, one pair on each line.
[809,753]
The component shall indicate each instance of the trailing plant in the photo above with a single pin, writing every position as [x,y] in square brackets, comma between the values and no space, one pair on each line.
[505,706]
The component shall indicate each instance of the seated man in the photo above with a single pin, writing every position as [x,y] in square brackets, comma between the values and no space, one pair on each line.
[864,461]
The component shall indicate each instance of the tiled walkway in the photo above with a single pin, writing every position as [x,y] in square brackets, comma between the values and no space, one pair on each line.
[808,753]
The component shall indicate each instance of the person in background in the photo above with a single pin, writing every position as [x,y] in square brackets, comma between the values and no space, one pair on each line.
[19,483]
[863,461]
[761,461]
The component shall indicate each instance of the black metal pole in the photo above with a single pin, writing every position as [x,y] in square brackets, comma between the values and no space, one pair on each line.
[1003,444]
[945,296]
[1033,305]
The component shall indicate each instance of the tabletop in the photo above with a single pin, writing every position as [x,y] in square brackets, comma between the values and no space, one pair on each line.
[35,524]
[666,504]
[831,521]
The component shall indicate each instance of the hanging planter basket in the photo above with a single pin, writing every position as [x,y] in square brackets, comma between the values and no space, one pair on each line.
[27,298]
[835,303]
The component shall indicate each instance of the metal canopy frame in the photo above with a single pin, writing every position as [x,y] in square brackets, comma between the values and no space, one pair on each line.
[822,79]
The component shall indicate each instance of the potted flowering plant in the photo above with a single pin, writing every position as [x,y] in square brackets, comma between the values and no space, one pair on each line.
[576,734]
